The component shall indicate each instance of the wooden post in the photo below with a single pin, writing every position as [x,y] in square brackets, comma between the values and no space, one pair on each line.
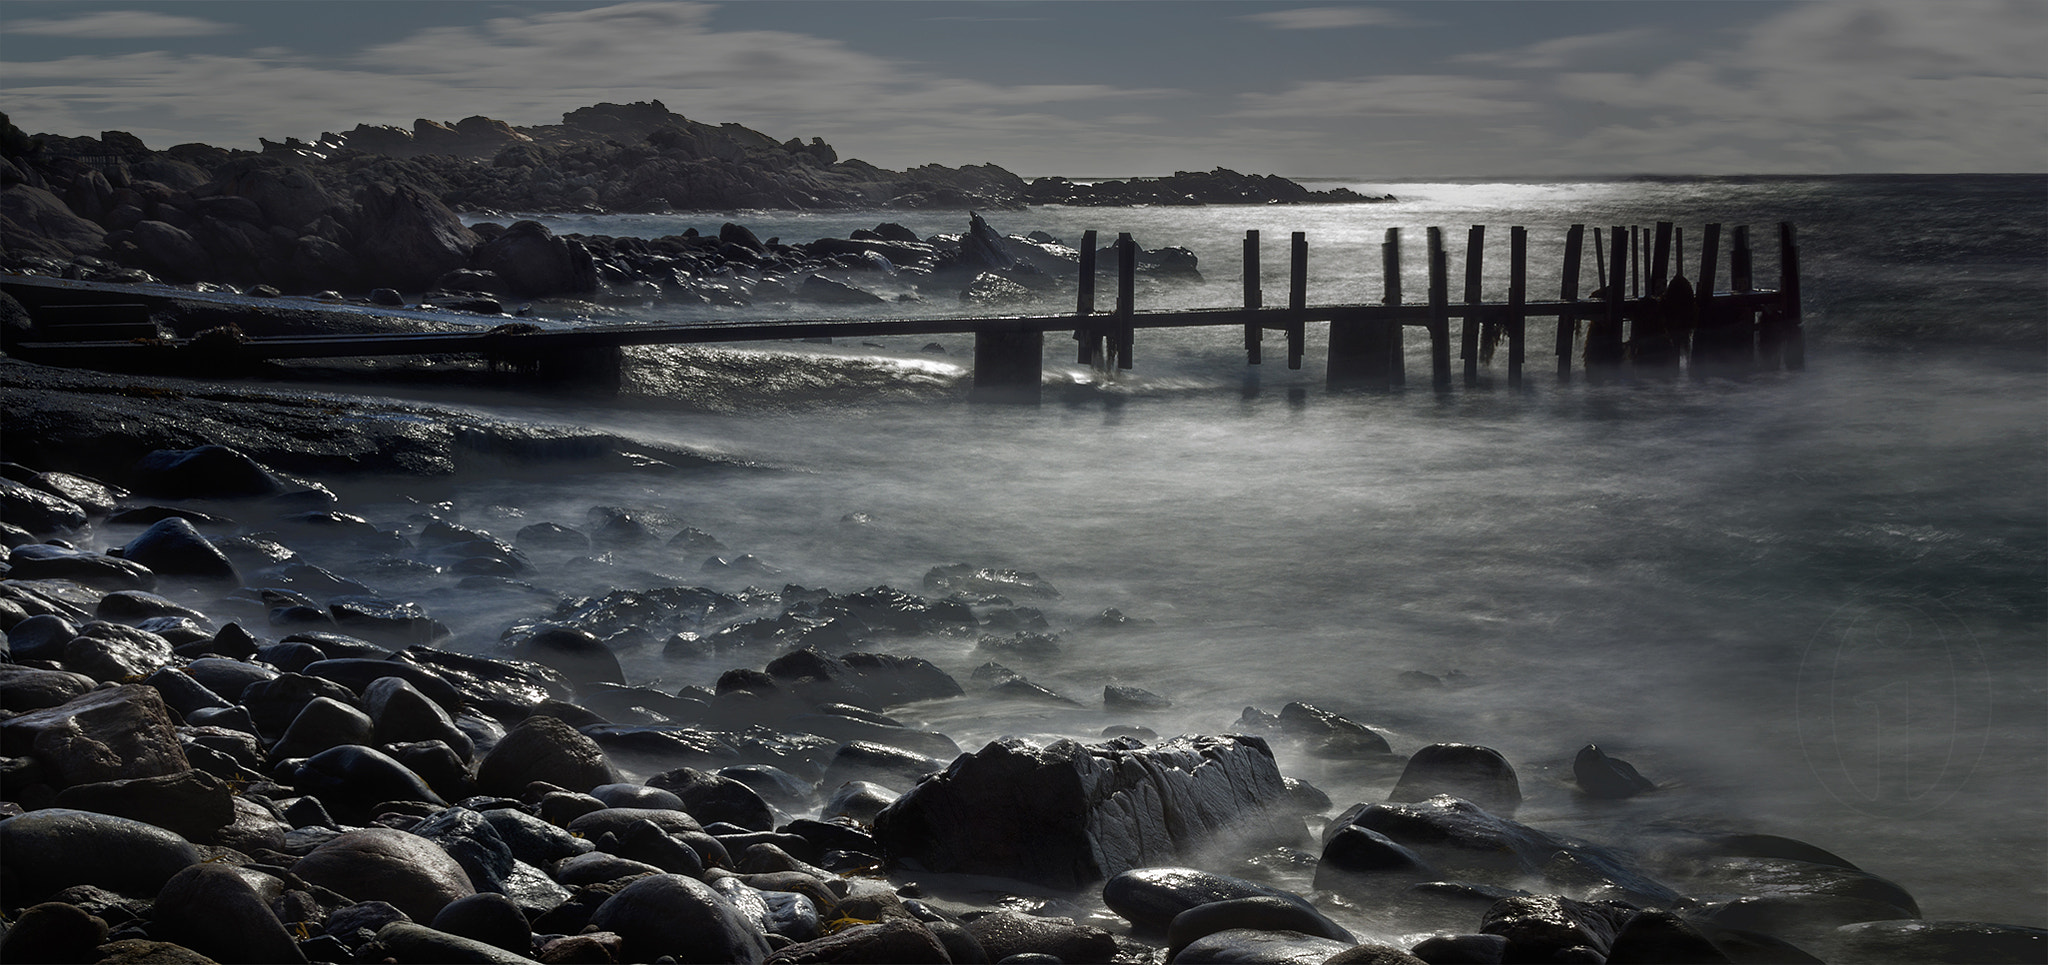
[1518,298]
[1794,335]
[1358,351]
[1660,259]
[1297,298]
[1088,335]
[1390,265]
[1126,297]
[1568,292]
[1253,298]
[1738,261]
[1009,365]
[1635,261]
[1603,338]
[1439,316]
[1710,261]
[1475,255]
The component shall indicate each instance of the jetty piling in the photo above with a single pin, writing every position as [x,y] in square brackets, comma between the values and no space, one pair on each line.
[1736,330]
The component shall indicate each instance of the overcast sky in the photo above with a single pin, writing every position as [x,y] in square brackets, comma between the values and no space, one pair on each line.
[1380,90]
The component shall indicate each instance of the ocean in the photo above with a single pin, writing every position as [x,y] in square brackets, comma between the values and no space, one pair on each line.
[1805,603]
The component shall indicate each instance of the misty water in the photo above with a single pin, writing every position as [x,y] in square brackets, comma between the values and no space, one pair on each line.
[1805,603]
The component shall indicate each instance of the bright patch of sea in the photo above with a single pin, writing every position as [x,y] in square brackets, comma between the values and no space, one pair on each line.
[1807,603]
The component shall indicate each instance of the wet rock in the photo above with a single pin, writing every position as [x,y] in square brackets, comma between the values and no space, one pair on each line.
[54,932]
[673,915]
[1477,774]
[1151,898]
[963,578]
[416,237]
[473,843]
[275,702]
[351,780]
[1065,814]
[551,538]
[891,767]
[410,872]
[637,796]
[54,848]
[138,608]
[578,654]
[598,867]
[533,840]
[174,547]
[27,688]
[504,688]
[544,749]
[841,727]
[206,472]
[217,911]
[400,713]
[860,800]
[358,673]
[104,735]
[894,940]
[114,652]
[489,918]
[596,948]
[1462,950]
[41,513]
[1358,856]
[40,637]
[1121,698]
[141,951]
[193,804]
[45,561]
[535,263]
[1540,927]
[391,621]
[1939,941]
[1607,777]
[709,797]
[1372,953]
[407,941]
[1660,936]
[323,723]
[1461,838]
[1334,734]
[1004,933]
[229,677]
[1253,945]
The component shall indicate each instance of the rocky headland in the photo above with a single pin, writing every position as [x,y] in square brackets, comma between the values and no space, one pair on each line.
[244,718]
[376,209]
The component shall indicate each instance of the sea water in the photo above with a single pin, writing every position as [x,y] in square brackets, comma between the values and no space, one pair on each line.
[1805,603]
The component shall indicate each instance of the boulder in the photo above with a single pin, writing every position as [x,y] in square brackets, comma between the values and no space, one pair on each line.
[710,798]
[407,941]
[399,713]
[1461,949]
[1540,927]
[55,848]
[104,735]
[54,932]
[1607,777]
[323,723]
[682,917]
[39,512]
[410,872]
[193,804]
[1066,814]
[206,472]
[285,196]
[352,780]
[1356,855]
[1256,945]
[218,911]
[115,652]
[1151,898]
[406,238]
[473,843]
[492,919]
[174,547]
[40,222]
[1477,774]
[46,561]
[1263,913]
[544,749]
[1460,838]
[1939,941]
[536,264]
[172,253]
[578,654]
[1003,933]
[533,840]
[27,688]
[1653,935]
[275,701]
[894,940]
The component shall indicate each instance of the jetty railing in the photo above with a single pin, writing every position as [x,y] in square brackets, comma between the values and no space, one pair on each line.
[1659,323]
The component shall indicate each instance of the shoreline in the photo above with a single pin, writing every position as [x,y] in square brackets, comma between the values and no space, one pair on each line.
[809,634]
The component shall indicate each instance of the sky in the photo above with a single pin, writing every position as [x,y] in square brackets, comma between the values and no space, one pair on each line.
[1448,88]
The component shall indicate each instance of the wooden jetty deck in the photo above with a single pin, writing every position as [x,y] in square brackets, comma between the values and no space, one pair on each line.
[1642,316]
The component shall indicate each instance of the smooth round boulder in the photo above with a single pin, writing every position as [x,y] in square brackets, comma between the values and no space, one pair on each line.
[1461,949]
[1477,774]
[682,917]
[41,513]
[44,561]
[1254,945]
[193,804]
[637,796]
[353,779]
[40,637]
[544,749]
[410,872]
[1356,855]
[899,940]
[533,840]
[54,932]
[710,798]
[407,941]
[24,689]
[1914,940]
[54,848]
[1150,898]
[578,654]
[859,800]
[1607,777]
[216,910]
[489,918]
[1264,913]
[174,547]
[323,723]
[1004,933]
[399,713]
[207,472]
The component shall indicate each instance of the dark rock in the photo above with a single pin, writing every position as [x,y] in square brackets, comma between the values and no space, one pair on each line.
[638,796]
[709,797]
[1254,945]
[194,804]
[1151,898]
[860,800]
[135,607]
[114,652]
[504,688]
[841,727]
[1336,736]
[1477,774]
[550,537]
[438,764]
[1355,853]
[353,779]
[963,578]
[218,911]
[104,735]
[1660,936]
[893,940]
[533,840]
[44,561]
[673,915]
[1066,814]
[1120,698]
[54,848]
[1607,777]
[207,472]
[578,654]
[26,688]
[393,621]
[174,547]
[141,951]
[387,297]
[598,867]
[323,723]
[544,749]
[1004,933]
[1460,838]
[358,673]
[891,767]
[1939,941]
[54,932]
[535,263]
[489,918]
[412,873]
[230,678]
[40,513]
[1462,950]
[408,238]
[473,843]
[407,941]
[400,713]
[1539,927]
[597,948]
[40,637]
[275,702]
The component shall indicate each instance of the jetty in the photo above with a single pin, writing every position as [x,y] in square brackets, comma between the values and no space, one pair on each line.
[1641,315]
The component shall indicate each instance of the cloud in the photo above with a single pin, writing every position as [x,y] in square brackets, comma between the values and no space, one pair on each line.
[1394,95]
[1560,51]
[120,25]
[1326,18]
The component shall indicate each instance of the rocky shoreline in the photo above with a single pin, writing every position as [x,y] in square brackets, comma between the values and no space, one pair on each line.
[234,727]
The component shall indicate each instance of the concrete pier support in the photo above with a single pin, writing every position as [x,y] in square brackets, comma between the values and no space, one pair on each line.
[1361,352]
[1008,365]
